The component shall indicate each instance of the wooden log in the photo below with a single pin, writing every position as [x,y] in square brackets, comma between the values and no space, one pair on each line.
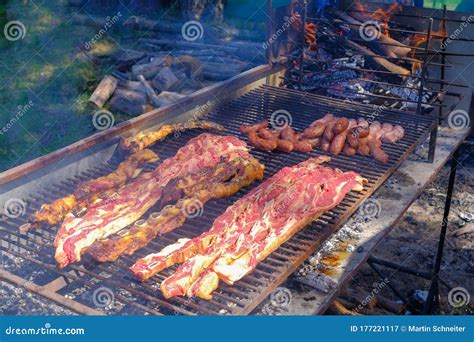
[127,58]
[167,97]
[167,80]
[337,308]
[400,50]
[467,229]
[132,85]
[104,91]
[129,102]
[149,70]
[379,60]
[152,96]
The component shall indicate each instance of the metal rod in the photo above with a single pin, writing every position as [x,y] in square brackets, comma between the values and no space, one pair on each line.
[269,32]
[400,268]
[434,288]
[303,41]
[423,69]
[412,16]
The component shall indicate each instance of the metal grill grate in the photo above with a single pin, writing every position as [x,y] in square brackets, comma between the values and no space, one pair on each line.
[36,253]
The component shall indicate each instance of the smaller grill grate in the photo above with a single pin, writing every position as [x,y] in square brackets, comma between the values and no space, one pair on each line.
[36,253]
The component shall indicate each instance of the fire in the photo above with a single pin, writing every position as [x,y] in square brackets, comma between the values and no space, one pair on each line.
[310,36]
[419,39]
[380,15]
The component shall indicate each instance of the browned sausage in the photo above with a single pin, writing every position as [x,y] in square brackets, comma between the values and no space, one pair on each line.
[262,144]
[314,142]
[303,146]
[341,125]
[328,132]
[362,122]
[363,150]
[266,133]
[325,144]
[339,140]
[245,129]
[285,145]
[349,151]
[325,120]
[377,152]
[287,133]
[314,131]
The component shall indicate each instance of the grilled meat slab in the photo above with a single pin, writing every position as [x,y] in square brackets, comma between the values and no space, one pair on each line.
[251,229]
[130,202]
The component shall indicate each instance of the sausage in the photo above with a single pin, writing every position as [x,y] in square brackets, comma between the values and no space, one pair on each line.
[339,140]
[377,152]
[328,132]
[325,120]
[245,129]
[262,144]
[393,136]
[341,125]
[314,131]
[325,144]
[355,134]
[363,150]
[349,151]
[285,145]
[314,142]
[287,133]
[362,122]
[266,133]
[303,146]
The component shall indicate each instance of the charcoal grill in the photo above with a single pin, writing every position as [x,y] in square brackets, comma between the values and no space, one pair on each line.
[79,282]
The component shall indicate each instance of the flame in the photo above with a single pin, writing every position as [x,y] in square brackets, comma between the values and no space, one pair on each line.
[310,29]
[380,15]
[419,39]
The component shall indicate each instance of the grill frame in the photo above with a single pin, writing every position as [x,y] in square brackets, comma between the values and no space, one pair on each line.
[256,104]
